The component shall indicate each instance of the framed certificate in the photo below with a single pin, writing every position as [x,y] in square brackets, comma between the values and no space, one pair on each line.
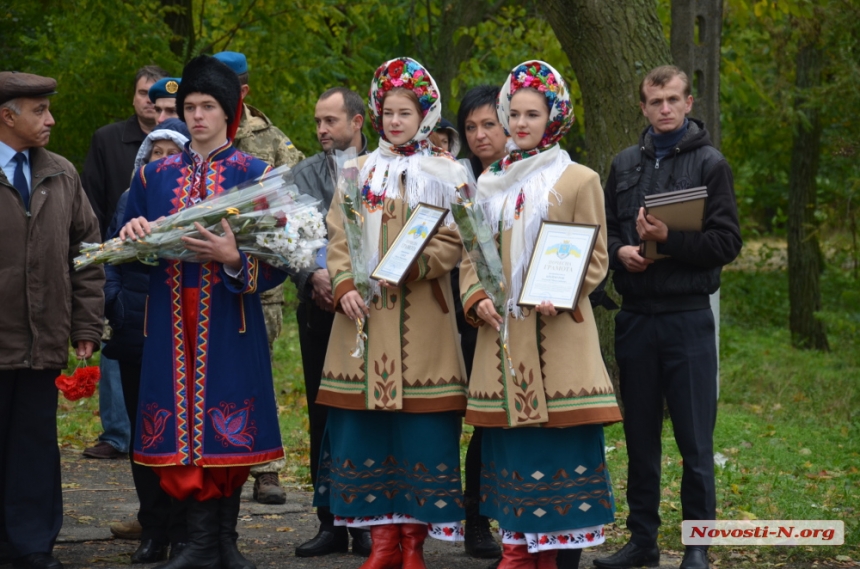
[558,265]
[419,228]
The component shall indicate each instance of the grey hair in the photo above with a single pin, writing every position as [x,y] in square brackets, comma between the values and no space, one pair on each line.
[12,105]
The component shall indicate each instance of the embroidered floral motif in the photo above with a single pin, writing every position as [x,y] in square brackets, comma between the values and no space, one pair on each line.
[403,73]
[154,423]
[566,539]
[447,531]
[525,401]
[371,201]
[234,427]
[384,391]
[520,205]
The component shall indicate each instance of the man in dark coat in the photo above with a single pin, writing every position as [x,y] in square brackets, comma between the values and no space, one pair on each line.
[45,217]
[664,333]
[339,116]
[107,169]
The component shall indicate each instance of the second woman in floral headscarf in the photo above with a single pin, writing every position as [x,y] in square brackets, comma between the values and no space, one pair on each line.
[390,456]
[544,474]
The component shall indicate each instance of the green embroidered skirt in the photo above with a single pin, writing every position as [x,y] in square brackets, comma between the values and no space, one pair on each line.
[538,480]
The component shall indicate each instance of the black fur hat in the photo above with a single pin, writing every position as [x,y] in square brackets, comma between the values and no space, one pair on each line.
[207,75]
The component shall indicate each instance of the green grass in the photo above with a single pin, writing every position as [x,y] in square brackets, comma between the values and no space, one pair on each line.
[788,422]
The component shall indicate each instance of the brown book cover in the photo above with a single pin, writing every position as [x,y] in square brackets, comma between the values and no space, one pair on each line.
[685,215]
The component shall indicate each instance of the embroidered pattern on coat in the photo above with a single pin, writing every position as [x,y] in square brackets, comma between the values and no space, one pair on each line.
[200,356]
[154,422]
[234,427]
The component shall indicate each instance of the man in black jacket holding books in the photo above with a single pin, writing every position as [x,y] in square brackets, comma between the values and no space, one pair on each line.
[664,335]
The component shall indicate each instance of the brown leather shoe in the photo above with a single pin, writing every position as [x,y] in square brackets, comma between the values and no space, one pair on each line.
[267,489]
[103,450]
[127,530]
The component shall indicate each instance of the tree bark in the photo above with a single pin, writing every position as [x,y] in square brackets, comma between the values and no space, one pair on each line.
[611,46]
[804,255]
[179,15]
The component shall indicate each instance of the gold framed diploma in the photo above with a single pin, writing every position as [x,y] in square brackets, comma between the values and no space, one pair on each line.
[559,264]
[411,240]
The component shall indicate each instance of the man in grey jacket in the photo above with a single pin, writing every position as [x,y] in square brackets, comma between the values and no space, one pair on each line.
[45,217]
[339,116]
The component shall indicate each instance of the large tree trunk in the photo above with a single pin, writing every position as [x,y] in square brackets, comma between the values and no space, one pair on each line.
[804,255]
[611,46]
[179,15]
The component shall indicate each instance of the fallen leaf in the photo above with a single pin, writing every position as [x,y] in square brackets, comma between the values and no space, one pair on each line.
[70,485]
[284,529]
[804,451]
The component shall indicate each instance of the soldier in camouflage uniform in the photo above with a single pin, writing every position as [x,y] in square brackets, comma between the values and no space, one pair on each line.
[261,139]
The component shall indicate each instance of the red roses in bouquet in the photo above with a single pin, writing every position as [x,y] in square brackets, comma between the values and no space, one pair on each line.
[82,383]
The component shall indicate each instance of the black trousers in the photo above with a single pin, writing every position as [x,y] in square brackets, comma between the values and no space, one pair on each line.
[31,496]
[472,490]
[314,331]
[671,355]
[161,517]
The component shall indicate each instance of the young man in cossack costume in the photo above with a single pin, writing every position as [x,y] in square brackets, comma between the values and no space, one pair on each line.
[207,409]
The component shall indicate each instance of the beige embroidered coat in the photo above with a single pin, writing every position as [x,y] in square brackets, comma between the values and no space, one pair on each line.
[561,380]
[412,360]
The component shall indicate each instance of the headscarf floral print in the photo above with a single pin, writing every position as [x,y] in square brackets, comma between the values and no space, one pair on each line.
[406,73]
[542,77]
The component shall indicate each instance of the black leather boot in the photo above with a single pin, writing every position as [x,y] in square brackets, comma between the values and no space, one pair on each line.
[227,536]
[479,539]
[631,555]
[201,552]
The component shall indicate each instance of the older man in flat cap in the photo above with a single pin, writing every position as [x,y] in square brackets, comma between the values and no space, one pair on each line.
[44,217]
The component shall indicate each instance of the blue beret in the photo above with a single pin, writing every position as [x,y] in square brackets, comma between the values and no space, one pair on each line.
[234,60]
[164,88]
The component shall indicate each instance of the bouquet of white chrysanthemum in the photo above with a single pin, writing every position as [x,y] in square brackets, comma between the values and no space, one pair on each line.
[268,217]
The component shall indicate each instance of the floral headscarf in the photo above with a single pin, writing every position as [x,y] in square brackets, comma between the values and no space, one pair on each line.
[541,76]
[406,73]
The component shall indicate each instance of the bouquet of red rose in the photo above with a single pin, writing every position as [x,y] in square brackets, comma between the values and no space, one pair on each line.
[82,382]
[268,217]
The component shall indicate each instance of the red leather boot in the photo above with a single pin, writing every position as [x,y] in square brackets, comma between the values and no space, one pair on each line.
[517,557]
[385,551]
[547,559]
[412,538]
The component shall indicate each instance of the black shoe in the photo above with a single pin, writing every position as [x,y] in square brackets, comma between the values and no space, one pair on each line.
[201,552]
[228,514]
[176,549]
[695,558]
[568,558]
[361,542]
[328,540]
[479,539]
[150,551]
[631,555]
[37,561]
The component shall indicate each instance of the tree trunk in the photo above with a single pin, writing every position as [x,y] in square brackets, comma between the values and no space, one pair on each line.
[179,15]
[804,255]
[611,46]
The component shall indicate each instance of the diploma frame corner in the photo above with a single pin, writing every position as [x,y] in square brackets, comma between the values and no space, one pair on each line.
[594,230]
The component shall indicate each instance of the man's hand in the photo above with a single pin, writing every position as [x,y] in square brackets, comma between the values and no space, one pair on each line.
[135,228]
[321,293]
[85,349]
[487,312]
[222,249]
[650,228]
[632,260]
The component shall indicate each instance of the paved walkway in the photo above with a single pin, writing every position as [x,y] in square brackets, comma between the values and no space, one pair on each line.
[99,492]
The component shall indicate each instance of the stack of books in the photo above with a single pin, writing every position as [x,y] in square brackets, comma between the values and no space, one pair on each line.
[683,210]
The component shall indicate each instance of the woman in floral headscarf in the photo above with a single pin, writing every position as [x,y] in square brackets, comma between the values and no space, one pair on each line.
[548,486]
[390,453]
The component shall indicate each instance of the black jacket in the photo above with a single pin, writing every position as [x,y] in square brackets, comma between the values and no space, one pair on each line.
[126,288]
[683,281]
[108,167]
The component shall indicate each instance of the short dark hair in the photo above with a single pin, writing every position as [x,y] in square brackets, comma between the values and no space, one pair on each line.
[475,98]
[152,72]
[352,101]
[243,78]
[659,76]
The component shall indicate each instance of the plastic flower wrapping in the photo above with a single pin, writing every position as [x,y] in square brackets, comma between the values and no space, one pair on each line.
[476,233]
[82,382]
[270,219]
[347,175]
